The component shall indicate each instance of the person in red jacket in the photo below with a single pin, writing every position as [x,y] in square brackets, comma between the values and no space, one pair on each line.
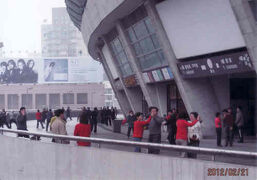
[39,119]
[139,128]
[218,128]
[182,125]
[83,129]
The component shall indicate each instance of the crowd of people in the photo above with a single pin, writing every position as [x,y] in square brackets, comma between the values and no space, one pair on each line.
[184,129]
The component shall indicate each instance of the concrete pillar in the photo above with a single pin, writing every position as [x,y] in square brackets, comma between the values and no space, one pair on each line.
[47,101]
[121,96]
[149,91]
[198,94]
[221,88]
[133,96]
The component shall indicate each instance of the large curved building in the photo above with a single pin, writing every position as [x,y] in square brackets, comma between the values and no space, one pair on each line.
[194,55]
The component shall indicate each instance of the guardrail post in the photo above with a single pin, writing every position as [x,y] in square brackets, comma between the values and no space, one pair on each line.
[98,145]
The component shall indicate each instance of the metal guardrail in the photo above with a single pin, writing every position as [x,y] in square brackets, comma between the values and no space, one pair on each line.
[99,141]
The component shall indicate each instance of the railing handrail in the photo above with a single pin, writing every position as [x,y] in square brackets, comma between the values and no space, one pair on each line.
[198,150]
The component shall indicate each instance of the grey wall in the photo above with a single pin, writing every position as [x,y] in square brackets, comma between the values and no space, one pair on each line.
[23,159]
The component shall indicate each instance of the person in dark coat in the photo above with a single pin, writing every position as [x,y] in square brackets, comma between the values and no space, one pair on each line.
[3,117]
[94,120]
[109,116]
[48,118]
[130,120]
[228,125]
[22,122]
[171,120]
[68,113]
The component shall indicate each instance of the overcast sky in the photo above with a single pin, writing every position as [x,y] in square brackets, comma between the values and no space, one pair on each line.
[20,22]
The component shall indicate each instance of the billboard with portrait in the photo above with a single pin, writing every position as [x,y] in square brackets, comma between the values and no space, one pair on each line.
[18,71]
[50,70]
[56,70]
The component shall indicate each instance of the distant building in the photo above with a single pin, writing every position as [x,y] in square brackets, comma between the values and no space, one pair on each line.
[109,96]
[39,96]
[61,38]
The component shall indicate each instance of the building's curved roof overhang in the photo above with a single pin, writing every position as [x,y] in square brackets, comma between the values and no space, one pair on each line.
[75,8]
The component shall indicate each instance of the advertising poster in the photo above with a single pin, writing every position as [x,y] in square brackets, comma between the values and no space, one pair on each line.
[50,70]
[56,70]
[18,71]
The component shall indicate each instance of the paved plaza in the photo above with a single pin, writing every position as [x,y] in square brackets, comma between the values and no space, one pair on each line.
[104,131]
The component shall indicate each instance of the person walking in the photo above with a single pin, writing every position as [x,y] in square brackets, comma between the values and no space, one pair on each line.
[59,126]
[194,133]
[68,114]
[83,129]
[240,124]
[22,122]
[48,118]
[139,129]
[218,127]
[171,120]
[94,120]
[155,129]
[182,130]
[39,119]
[109,116]
[12,119]
[3,119]
[130,120]
[228,125]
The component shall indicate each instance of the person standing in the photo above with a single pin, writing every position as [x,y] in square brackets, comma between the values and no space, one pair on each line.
[3,119]
[171,125]
[240,123]
[109,116]
[68,114]
[194,133]
[12,119]
[139,128]
[22,122]
[48,118]
[94,120]
[228,125]
[182,130]
[59,126]
[155,129]
[130,120]
[43,114]
[218,127]
[39,119]
[83,129]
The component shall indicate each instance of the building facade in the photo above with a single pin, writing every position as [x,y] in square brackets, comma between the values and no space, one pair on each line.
[190,55]
[61,38]
[110,98]
[39,96]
